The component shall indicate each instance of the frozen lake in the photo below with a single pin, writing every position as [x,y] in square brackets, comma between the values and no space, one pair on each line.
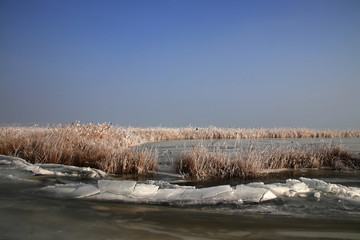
[57,202]
[169,151]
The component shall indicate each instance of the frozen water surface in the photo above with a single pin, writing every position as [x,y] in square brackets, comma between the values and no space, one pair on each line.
[63,202]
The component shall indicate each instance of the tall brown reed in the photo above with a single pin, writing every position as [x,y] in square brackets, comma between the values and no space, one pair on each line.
[101,146]
[190,133]
[112,148]
[202,162]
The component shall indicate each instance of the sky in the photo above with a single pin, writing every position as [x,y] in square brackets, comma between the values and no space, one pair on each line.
[176,63]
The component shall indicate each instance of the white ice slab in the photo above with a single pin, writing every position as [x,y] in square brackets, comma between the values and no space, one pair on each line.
[77,190]
[110,196]
[10,161]
[37,170]
[86,190]
[144,191]
[300,188]
[211,192]
[168,195]
[336,189]
[278,189]
[14,169]
[253,194]
[161,192]
[50,169]
[206,193]
[116,187]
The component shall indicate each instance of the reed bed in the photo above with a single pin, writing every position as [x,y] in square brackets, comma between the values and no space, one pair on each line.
[212,133]
[202,163]
[114,149]
[103,146]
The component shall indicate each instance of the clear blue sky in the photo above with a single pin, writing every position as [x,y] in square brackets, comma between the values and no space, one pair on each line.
[173,63]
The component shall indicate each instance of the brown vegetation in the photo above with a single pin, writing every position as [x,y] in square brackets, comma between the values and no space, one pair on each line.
[203,163]
[113,149]
[102,146]
[191,133]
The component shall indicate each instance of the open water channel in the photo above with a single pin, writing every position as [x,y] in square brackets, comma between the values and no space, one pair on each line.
[55,202]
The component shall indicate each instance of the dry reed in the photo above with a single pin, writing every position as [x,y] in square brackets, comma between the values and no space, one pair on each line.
[103,146]
[113,149]
[203,163]
[210,133]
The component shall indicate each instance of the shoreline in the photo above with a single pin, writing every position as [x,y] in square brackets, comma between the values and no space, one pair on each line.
[118,150]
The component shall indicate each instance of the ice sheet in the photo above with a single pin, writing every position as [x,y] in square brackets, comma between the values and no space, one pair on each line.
[336,189]
[151,192]
[15,169]
[49,169]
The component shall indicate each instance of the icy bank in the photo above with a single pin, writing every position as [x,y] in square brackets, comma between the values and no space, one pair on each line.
[329,188]
[161,192]
[157,192]
[19,164]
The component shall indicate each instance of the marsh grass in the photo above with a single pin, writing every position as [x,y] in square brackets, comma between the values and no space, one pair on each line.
[139,160]
[203,163]
[211,133]
[102,146]
[114,149]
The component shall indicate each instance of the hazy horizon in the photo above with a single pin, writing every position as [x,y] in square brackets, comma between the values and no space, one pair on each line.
[178,63]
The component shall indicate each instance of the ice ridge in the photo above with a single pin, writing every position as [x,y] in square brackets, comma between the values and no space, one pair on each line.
[156,192]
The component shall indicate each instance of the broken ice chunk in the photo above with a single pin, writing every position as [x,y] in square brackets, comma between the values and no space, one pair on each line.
[253,194]
[300,188]
[116,187]
[144,190]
